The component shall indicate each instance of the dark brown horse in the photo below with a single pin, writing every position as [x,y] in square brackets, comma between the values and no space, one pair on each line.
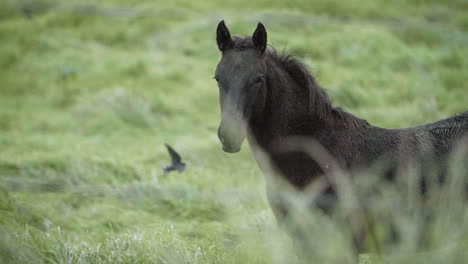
[267,97]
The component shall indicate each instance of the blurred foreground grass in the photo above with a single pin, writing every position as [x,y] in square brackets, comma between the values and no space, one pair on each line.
[89,93]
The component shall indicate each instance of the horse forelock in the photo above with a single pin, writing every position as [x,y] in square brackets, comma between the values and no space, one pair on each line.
[240,44]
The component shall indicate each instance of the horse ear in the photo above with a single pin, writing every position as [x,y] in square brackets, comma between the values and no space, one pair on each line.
[223,37]
[259,38]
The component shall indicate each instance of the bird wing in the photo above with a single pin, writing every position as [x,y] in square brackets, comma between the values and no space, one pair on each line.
[174,155]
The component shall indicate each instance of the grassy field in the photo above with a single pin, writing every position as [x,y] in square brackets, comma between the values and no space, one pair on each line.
[89,94]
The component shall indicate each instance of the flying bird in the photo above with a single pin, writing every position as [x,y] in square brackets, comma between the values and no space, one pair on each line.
[177,163]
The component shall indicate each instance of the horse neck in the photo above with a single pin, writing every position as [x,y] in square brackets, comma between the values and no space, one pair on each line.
[286,110]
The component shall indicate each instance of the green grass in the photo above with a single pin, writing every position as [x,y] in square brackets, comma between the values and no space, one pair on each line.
[89,94]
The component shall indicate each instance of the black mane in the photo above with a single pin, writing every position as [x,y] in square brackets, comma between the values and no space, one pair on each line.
[320,103]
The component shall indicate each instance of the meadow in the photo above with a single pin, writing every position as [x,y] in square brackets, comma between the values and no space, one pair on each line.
[91,91]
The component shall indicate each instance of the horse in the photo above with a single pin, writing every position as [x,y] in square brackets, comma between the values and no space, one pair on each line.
[267,97]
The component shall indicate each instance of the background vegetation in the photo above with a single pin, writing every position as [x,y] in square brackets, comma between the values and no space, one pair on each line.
[91,91]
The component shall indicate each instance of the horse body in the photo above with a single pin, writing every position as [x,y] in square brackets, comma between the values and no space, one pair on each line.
[351,141]
[270,97]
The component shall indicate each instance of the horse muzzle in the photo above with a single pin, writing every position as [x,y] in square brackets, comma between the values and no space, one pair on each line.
[231,137]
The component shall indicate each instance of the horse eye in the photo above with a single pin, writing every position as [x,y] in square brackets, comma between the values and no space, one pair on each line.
[258,80]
